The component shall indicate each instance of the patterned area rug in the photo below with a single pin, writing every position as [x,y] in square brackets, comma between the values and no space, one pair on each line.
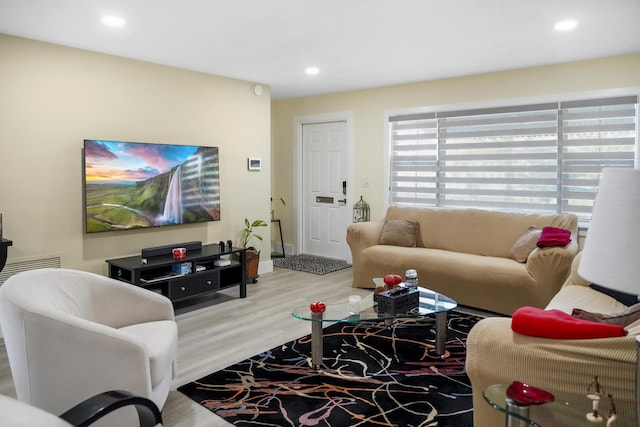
[311,264]
[372,376]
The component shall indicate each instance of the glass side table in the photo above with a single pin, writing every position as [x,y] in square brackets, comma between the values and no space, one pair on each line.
[567,410]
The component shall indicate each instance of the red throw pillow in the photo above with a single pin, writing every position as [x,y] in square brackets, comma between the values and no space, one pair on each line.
[553,236]
[557,324]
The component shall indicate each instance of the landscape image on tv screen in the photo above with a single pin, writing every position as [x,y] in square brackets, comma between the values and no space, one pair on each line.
[137,185]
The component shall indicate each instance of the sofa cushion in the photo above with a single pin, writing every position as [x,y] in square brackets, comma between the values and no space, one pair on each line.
[523,247]
[622,318]
[399,232]
[572,296]
[475,231]
[536,322]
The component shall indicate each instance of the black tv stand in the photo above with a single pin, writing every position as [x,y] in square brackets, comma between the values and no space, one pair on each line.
[204,277]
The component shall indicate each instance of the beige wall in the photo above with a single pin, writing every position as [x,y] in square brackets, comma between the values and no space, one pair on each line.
[369,107]
[53,97]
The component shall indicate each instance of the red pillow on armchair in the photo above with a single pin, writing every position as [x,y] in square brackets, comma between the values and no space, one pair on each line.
[557,324]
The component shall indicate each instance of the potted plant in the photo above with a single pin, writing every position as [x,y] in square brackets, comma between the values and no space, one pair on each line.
[273,212]
[253,254]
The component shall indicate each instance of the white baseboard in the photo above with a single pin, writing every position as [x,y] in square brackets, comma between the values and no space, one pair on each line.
[276,248]
[265,267]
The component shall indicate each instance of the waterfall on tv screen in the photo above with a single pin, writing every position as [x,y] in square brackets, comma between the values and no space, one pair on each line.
[173,204]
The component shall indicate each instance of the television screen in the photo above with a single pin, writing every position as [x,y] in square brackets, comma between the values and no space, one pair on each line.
[137,185]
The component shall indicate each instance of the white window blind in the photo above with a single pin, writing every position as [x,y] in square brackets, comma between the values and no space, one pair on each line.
[594,134]
[414,160]
[542,158]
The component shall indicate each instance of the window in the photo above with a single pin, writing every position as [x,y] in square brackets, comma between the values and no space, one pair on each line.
[545,158]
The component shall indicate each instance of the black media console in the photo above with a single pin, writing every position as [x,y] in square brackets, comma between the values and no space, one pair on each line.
[197,274]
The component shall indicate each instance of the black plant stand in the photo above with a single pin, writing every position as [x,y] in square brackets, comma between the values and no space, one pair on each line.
[275,254]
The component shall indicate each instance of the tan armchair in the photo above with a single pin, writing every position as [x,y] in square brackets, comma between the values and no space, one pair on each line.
[495,354]
[71,335]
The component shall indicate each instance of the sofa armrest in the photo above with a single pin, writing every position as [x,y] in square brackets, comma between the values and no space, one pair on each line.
[574,278]
[551,266]
[361,235]
[497,355]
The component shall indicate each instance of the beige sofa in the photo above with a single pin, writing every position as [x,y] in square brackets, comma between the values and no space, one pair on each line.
[464,254]
[497,355]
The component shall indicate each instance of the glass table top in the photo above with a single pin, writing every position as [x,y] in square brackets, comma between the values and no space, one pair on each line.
[430,302]
[567,410]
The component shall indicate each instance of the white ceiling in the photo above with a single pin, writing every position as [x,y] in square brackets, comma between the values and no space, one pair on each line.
[356,44]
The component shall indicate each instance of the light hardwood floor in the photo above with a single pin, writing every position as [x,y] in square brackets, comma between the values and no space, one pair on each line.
[231,329]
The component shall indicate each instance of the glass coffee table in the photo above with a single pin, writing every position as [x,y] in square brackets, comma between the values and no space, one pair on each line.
[430,302]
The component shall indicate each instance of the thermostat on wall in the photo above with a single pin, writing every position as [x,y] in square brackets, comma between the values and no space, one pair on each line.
[254,164]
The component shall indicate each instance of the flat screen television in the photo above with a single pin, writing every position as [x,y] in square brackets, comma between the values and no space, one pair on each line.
[132,185]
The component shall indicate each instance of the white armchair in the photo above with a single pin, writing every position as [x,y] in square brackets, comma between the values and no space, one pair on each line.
[71,335]
[86,413]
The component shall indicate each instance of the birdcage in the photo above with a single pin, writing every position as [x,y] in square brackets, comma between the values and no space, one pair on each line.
[361,211]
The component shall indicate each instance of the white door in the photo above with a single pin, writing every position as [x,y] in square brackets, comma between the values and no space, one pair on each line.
[324,189]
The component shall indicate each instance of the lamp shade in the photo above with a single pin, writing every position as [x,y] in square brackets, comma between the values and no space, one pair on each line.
[611,254]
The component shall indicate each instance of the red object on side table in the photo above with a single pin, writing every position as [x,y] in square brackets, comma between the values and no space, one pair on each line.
[524,395]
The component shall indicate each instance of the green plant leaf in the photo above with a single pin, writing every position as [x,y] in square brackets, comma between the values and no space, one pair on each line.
[248,233]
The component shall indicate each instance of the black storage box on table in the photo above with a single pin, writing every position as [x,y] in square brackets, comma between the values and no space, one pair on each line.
[397,301]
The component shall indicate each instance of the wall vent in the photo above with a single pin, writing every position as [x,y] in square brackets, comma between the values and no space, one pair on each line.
[16,266]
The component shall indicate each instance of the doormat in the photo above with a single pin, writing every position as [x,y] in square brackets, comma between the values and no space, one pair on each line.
[371,376]
[311,264]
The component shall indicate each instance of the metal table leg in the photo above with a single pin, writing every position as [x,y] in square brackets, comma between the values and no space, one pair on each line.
[441,333]
[316,340]
[510,420]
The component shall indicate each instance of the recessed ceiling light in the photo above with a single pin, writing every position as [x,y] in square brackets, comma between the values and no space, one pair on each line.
[311,71]
[566,25]
[113,21]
